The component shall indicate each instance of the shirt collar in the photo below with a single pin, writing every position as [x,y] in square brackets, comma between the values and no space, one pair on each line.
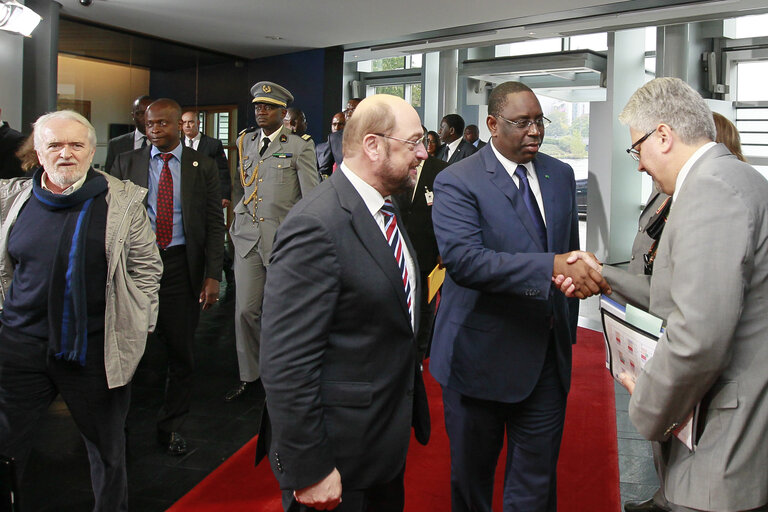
[687,168]
[272,136]
[67,191]
[511,166]
[175,151]
[138,136]
[195,138]
[371,197]
[453,145]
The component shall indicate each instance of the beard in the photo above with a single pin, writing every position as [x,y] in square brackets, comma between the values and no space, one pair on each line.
[394,179]
[67,176]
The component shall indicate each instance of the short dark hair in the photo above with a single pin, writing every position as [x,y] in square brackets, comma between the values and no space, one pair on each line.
[498,98]
[473,128]
[456,122]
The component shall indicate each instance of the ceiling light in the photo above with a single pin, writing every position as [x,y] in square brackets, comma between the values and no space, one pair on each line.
[17,18]
[273,38]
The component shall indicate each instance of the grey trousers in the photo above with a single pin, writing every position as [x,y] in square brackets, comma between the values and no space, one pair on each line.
[250,274]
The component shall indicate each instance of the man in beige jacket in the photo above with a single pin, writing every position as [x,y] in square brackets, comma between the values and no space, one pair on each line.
[79,276]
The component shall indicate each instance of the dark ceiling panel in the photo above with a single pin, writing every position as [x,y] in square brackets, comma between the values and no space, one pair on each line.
[98,42]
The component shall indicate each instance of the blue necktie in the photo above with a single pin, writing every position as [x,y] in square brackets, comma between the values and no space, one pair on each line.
[530,203]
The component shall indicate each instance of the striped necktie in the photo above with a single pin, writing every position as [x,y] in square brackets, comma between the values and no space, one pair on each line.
[396,243]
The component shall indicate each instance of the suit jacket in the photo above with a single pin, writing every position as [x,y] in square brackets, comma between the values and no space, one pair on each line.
[213,148]
[200,207]
[10,140]
[332,153]
[710,283]
[417,214]
[463,150]
[286,173]
[338,351]
[480,144]
[498,307]
[117,146]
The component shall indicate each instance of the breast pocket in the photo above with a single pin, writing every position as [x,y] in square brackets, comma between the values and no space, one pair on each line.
[283,170]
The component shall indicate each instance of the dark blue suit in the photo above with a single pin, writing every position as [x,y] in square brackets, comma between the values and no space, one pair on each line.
[503,334]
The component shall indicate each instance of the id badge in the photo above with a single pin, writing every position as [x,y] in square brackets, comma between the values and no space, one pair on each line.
[429,196]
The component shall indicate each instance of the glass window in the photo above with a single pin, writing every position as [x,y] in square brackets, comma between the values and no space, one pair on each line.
[752,26]
[596,42]
[750,77]
[529,47]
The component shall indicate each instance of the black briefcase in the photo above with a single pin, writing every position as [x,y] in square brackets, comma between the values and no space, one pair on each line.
[8,489]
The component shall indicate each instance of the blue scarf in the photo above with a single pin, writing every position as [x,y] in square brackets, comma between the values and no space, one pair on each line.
[67,301]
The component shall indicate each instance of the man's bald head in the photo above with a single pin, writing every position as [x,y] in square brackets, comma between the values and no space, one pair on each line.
[383,143]
[163,119]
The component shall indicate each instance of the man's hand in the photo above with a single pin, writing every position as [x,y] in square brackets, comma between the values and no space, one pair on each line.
[627,381]
[324,495]
[578,275]
[210,293]
[225,203]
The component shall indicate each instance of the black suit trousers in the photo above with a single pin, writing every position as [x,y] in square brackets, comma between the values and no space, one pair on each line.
[30,379]
[177,319]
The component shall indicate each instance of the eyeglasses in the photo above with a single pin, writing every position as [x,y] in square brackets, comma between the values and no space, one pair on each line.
[414,144]
[634,153]
[525,124]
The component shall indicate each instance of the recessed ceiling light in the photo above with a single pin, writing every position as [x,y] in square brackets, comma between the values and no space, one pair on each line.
[274,38]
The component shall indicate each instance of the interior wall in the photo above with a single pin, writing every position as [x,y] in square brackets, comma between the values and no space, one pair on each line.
[309,75]
[111,89]
[11,64]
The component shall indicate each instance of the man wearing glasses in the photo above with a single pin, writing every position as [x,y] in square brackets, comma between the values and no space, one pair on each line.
[709,284]
[276,169]
[505,220]
[341,311]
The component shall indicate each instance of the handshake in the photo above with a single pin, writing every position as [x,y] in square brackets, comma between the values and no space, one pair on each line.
[579,274]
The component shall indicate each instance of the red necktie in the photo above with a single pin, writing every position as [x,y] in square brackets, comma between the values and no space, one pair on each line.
[164,212]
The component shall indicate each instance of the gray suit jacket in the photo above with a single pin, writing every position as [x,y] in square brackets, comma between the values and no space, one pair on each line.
[710,283]
[286,172]
[200,206]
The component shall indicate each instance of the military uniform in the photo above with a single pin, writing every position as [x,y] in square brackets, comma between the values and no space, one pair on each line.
[272,183]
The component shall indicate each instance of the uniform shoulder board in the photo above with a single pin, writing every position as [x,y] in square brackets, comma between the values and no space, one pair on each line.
[306,136]
[247,130]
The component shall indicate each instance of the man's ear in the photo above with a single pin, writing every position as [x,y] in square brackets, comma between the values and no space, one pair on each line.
[371,147]
[665,136]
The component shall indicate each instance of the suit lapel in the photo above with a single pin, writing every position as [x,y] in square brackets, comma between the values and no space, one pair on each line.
[370,236]
[500,178]
[190,173]
[548,197]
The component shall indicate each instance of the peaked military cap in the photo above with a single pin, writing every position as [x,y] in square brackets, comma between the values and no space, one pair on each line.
[270,92]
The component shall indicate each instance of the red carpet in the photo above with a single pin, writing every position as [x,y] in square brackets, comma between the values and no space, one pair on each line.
[588,473]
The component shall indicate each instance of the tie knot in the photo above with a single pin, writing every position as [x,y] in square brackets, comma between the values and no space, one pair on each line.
[521,172]
[388,208]
[166,157]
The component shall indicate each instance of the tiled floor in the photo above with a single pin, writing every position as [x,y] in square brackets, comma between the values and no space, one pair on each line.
[57,476]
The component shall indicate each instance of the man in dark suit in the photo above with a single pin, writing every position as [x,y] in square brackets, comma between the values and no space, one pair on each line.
[505,219]
[10,141]
[332,156]
[135,139]
[472,135]
[416,211]
[338,349]
[454,147]
[210,147]
[184,206]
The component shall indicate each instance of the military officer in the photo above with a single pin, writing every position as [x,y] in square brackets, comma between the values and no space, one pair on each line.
[276,169]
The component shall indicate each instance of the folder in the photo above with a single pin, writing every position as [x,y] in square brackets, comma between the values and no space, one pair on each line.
[435,281]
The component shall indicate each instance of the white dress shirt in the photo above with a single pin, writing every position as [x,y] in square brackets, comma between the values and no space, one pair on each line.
[374,201]
[533,179]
